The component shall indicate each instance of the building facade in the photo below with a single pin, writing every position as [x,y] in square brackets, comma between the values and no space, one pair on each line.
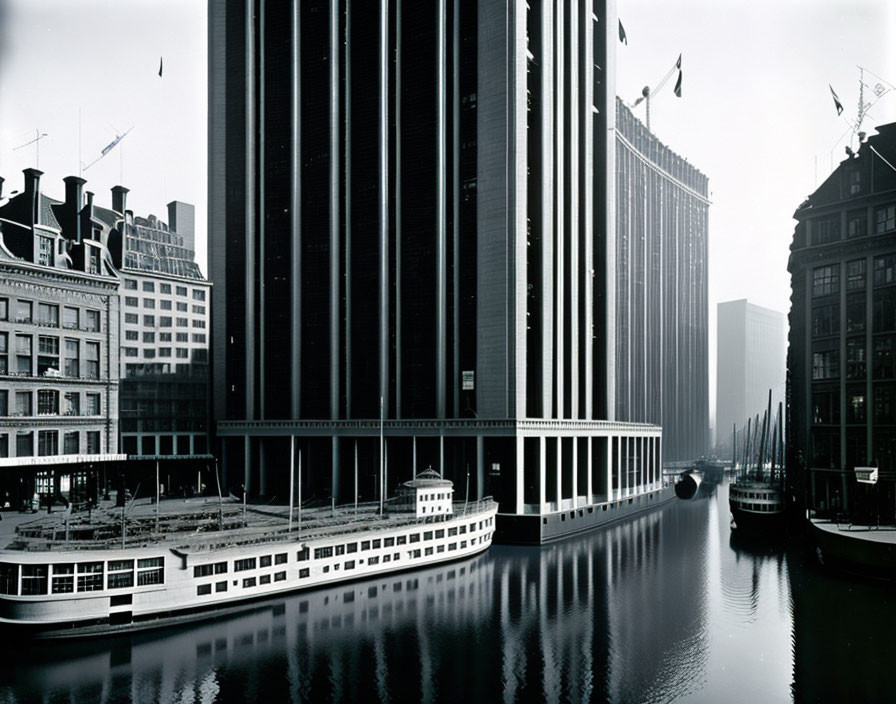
[752,359]
[164,333]
[58,345]
[415,222]
[842,346]
[662,235]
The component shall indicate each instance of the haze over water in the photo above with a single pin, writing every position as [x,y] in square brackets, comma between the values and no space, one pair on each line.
[663,607]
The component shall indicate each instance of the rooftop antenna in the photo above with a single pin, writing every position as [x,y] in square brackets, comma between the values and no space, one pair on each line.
[647,91]
[36,142]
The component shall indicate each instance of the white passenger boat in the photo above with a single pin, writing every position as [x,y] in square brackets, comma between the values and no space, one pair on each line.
[86,578]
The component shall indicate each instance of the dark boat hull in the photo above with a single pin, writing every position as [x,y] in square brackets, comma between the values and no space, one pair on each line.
[756,522]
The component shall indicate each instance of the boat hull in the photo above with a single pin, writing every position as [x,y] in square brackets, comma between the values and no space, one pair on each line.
[857,550]
[755,522]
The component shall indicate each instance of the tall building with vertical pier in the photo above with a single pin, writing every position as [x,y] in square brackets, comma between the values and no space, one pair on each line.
[412,217]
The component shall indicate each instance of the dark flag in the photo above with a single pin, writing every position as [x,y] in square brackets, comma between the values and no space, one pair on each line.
[678,83]
[622,36]
[678,63]
[837,103]
[160,67]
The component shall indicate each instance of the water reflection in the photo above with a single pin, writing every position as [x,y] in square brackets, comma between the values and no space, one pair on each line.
[666,606]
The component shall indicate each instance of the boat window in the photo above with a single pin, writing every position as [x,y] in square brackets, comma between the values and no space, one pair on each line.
[376,544]
[203,589]
[427,535]
[401,540]
[440,533]
[375,560]
[203,570]
[322,552]
[63,579]
[429,551]
[396,556]
[34,579]
[280,576]
[452,546]
[151,570]
[340,549]
[365,545]
[463,529]
[388,542]
[121,574]
[415,553]
[90,576]
[452,531]
[440,548]
[221,586]
[279,559]
[463,544]
[264,579]
[265,561]
[9,578]
[387,558]
[351,547]
[245,564]
[415,537]
[303,554]
[151,562]
[304,572]
[221,567]
[248,582]
[350,565]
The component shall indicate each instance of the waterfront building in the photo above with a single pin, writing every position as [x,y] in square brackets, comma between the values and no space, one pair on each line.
[751,359]
[662,234]
[164,333]
[413,220]
[842,352]
[58,344]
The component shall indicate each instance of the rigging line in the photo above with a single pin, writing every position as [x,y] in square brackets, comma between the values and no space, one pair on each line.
[882,157]
[877,77]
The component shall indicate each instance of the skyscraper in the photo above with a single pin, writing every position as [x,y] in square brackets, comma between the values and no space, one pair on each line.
[411,217]
[752,353]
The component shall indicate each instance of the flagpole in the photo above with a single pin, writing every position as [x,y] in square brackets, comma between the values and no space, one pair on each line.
[299,528]
[157,496]
[381,455]
[292,475]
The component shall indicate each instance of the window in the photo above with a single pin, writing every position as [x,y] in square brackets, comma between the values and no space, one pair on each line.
[24,443]
[131,335]
[825,365]
[350,565]
[130,284]
[47,356]
[165,304]
[71,443]
[130,352]
[365,545]
[149,286]
[180,337]
[149,320]
[280,558]
[374,560]
[220,586]
[304,572]
[351,547]
[93,442]
[23,403]
[280,576]
[826,230]
[164,288]
[182,322]
[131,301]
[199,337]
[70,318]
[149,337]
[855,358]
[4,353]
[203,589]
[856,223]
[303,554]
[47,443]
[245,564]
[131,319]
[165,321]
[826,280]
[23,311]
[885,270]
[34,579]
[199,310]
[71,403]
[48,315]
[71,357]
[884,364]
[249,582]
[199,324]
[90,576]
[884,309]
[182,307]
[198,294]
[150,570]
[855,406]
[264,579]
[183,353]
[164,337]
[401,540]
[63,579]
[885,219]
[427,535]
[164,351]
[376,544]
[4,309]
[47,402]
[23,355]
[264,561]
[120,574]
[181,290]
[92,360]
[149,303]
[4,402]
[93,260]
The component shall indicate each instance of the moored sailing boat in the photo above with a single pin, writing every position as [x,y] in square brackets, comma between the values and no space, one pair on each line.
[756,497]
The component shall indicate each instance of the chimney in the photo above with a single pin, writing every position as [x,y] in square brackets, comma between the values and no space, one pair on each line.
[32,191]
[73,202]
[87,215]
[119,199]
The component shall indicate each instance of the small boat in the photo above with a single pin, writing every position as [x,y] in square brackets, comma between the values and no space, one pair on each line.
[756,496]
[102,575]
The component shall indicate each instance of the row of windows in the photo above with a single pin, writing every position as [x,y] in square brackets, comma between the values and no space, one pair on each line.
[826,362]
[48,403]
[150,337]
[826,279]
[827,229]
[48,443]
[150,287]
[150,304]
[205,589]
[79,577]
[199,355]
[50,360]
[73,318]
[165,321]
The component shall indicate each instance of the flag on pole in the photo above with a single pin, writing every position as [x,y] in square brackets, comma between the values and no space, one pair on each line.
[678,63]
[622,36]
[160,67]
[678,83]
[837,103]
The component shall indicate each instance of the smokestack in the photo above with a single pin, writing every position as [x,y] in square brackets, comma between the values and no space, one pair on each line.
[73,199]
[119,199]
[87,214]
[1,187]
[32,191]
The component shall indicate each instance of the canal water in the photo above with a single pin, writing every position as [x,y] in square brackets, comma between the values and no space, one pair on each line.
[668,606]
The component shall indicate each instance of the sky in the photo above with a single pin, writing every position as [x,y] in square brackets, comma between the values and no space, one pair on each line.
[96,62]
[756,114]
